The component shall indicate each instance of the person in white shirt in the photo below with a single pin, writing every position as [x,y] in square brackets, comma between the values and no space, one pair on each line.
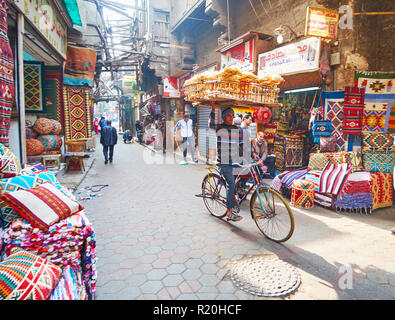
[188,138]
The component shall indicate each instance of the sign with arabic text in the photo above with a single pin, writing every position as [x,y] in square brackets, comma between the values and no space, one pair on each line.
[299,57]
[241,56]
[42,15]
[170,88]
[322,23]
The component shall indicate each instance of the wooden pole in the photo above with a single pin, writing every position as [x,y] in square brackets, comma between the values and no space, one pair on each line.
[21,88]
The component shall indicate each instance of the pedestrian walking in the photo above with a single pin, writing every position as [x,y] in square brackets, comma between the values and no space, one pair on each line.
[108,139]
[102,123]
[96,125]
[188,138]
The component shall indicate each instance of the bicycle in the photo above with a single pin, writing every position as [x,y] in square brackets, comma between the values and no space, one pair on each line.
[268,208]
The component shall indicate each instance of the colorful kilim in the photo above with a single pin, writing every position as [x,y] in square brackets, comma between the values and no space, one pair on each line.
[25,276]
[289,178]
[80,66]
[379,97]
[373,121]
[333,111]
[322,128]
[7,87]
[53,84]
[379,162]
[77,113]
[294,152]
[34,96]
[390,120]
[353,106]
[318,161]
[9,163]
[382,190]
[270,131]
[333,178]
[378,143]
[302,195]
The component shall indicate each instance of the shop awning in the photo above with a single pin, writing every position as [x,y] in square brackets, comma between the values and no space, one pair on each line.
[73,11]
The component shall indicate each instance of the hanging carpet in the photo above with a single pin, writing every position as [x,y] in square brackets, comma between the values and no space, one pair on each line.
[33,81]
[53,83]
[354,99]
[77,113]
[80,66]
[7,87]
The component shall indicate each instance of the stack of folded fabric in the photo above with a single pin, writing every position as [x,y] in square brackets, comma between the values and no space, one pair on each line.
[279,152]
[70,286]
[356,195]
[62,244]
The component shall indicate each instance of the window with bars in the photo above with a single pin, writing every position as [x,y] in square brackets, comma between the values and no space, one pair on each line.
[161,26]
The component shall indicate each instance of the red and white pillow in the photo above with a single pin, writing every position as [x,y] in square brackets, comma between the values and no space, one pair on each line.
[43,206]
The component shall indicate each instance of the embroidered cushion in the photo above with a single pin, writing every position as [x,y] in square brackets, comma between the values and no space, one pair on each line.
[302,194]
[23,182]
[25,276]
[49,141]
[30,133]
[9,163]
[44,126]
[318,161]
[35,167]
[57,127]
[43,206]
[34,147]
[379,162]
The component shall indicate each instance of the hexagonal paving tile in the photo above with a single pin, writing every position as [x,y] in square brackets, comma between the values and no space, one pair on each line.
[151,287]
[156,274]
[192,274]
[209,280]
[175,268]
[161,263]
[194,263]
[172,280]
[209,268]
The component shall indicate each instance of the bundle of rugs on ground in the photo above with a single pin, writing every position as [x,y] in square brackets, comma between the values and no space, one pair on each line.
[48,252]
[340,182]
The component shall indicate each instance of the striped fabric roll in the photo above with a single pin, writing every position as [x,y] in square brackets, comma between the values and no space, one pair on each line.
[333,178]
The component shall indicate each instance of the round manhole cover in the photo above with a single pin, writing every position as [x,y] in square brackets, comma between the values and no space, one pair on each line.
[265,277]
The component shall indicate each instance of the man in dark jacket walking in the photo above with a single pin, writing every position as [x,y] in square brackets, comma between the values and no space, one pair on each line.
[108,139]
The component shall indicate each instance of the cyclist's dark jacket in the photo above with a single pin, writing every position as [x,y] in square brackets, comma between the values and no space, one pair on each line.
[229,141]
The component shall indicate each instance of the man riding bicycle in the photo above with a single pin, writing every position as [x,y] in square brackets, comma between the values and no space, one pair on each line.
[230,141]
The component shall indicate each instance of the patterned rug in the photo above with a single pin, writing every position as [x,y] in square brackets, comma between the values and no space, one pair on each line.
[390,120]
[7,87]
[382,190]
[334,112]
[33,79]
[80,66]
[379,96]
[53,93]
[353,106]
[294,152]
[77,113]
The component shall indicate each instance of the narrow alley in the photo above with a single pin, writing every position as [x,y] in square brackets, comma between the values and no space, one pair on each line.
[155,239]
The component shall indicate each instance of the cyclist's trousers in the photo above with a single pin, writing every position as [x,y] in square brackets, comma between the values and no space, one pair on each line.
[227,171]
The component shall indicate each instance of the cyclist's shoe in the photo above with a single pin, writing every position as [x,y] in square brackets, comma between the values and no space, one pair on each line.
[233,217]
[236,209]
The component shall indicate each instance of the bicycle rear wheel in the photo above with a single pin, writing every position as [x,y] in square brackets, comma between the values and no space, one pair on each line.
[272,215]
[214,194]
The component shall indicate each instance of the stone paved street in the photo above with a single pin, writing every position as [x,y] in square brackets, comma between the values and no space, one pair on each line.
[155,239]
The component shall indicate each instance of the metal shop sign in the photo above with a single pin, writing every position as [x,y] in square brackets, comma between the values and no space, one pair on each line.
[241,56]
[42,15]
[299,57]
[170,88]
[322,23]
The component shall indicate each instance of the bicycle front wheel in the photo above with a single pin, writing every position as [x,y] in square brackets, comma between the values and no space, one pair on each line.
[214,194]
[272,215]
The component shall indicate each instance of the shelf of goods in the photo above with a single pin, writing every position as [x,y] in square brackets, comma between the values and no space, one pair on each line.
[231,86]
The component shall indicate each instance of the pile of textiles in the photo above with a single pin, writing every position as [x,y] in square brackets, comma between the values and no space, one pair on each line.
[382,190]
[356,195]
[294,152]
[58,236]
[62,244]
[70,286]
[323,199]
[334,177]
